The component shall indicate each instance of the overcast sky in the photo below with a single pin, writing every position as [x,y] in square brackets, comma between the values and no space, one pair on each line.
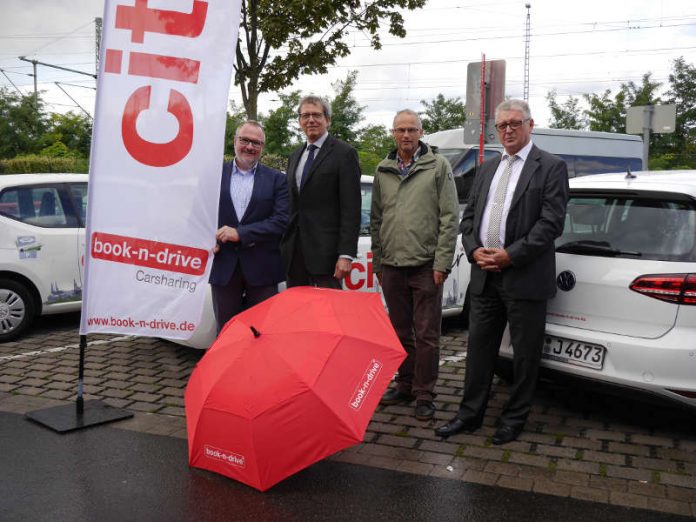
[575,48]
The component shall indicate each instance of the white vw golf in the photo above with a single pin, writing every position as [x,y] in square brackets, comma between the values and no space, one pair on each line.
[625,310]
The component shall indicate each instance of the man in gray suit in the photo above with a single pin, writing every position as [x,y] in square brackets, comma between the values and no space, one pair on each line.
[516,210]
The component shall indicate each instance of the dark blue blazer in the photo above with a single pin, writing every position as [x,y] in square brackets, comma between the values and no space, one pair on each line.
[260,230]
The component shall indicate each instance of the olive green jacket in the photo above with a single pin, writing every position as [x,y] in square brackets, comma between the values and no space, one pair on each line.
[414,219]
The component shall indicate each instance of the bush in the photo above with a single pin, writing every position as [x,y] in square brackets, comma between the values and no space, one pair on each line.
[35,163]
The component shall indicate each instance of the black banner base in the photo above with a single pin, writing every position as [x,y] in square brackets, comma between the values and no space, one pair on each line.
[66,418]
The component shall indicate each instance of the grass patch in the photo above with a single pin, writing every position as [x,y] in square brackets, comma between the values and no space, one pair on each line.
[655,477]
[402,433]
[552,466]
[579,454]
[558,437]
[506,456]
[602,470]
[460,451]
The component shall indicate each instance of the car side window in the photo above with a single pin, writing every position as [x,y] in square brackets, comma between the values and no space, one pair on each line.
[41,206]
[78,193]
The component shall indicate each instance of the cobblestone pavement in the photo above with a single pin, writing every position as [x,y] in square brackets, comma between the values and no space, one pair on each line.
[589,446]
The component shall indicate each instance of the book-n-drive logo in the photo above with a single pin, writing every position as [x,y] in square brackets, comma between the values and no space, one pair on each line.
[229,457]
[365,384]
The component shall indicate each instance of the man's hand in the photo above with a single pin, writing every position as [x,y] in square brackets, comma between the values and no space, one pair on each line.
[225,234]
[492,259]
[439,277]
[343,267]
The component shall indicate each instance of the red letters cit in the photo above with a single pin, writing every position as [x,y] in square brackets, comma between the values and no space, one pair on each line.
[157,154]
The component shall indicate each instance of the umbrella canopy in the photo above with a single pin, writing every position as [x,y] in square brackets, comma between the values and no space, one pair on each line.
[288,382]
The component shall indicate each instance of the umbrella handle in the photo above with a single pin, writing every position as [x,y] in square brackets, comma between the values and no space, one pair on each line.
[255,331]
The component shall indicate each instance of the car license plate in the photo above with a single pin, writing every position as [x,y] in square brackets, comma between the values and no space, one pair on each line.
[573,352]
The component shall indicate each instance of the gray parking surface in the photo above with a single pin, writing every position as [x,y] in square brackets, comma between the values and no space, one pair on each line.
[582,446]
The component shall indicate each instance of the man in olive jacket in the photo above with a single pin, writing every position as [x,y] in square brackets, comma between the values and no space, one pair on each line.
[414,224]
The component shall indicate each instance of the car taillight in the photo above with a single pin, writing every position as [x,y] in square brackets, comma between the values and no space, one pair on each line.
[673,288]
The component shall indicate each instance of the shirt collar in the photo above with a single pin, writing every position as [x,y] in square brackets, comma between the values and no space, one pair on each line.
[320,141]
[522,153]
[237,170]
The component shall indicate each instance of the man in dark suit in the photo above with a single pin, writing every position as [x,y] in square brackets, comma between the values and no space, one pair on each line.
[325,201]
[252,218]
[516,210]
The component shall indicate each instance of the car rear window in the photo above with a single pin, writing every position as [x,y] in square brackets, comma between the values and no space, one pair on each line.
[653,226]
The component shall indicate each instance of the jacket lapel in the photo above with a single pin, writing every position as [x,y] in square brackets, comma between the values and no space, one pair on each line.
[323,153]
[530,167]
[226,196]
[488,175]
[293,160]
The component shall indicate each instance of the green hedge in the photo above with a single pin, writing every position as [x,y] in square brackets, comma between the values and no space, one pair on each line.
[35,163]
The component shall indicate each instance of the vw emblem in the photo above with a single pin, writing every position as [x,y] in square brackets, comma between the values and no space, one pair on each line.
[566,280]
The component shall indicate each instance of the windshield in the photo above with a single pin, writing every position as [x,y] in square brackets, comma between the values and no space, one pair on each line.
[657,226]
[366,191]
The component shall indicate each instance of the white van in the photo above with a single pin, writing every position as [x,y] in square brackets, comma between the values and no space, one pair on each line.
[585,152]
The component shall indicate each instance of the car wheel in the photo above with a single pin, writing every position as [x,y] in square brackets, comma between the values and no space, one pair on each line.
[16,309]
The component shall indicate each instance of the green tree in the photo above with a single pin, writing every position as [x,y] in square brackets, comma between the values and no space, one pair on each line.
[346,113]
[373,145]
[235,117]
[442,114]
[281,126]
[23,122]
[566,116]
[682,93]
[71,129]
[281,40]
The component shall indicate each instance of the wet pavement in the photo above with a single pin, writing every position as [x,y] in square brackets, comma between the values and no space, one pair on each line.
[105,474]
[581,455]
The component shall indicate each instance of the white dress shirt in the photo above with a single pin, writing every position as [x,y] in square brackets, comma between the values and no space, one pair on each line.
[305,154]
[517,167]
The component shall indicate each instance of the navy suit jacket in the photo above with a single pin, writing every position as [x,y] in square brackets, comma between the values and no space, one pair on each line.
[260,230]
[535,220]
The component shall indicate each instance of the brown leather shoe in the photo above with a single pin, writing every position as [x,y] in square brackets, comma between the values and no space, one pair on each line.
[424,410]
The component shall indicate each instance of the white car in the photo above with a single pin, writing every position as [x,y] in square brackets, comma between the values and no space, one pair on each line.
[42,242]
[42,245]
[625,311]
[361,277]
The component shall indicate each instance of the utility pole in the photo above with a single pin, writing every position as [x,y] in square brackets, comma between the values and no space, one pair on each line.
[97,42]
[527,37]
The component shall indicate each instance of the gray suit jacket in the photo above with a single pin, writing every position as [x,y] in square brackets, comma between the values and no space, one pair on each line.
[535,220]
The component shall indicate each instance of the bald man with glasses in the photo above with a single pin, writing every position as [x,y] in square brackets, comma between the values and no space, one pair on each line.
[252,217]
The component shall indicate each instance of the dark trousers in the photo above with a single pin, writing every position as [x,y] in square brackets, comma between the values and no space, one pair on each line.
[299,276]
[415,310]
[237,295]
[490,312]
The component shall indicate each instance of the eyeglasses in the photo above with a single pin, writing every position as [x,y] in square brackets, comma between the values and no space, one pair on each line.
[247,142]
[308,115]
[514,125]
[407,130]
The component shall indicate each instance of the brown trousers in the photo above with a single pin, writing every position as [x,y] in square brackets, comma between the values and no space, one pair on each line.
[415,310]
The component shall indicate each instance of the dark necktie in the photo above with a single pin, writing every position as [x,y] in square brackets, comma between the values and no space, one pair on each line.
[308,163]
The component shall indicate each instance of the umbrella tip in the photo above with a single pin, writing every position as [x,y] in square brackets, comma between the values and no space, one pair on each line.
[255,331]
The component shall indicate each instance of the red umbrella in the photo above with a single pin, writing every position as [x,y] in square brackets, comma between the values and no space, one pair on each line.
[289,382]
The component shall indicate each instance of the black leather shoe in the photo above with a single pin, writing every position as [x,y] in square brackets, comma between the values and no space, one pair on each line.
[506,433]
[394,396]
[424,410]
[457,425]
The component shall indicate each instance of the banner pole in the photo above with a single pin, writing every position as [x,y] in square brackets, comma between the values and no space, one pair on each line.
[80,402]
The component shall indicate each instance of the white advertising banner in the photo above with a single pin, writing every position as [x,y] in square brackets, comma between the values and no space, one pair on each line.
[156,160]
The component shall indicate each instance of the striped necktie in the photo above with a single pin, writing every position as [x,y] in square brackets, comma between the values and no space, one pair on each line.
[498,203]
